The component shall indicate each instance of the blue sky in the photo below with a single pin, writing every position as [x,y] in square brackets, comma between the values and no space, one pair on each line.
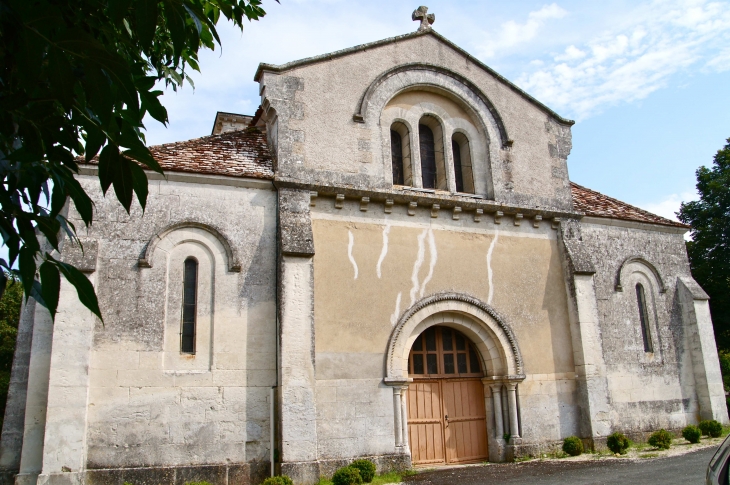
[647,82]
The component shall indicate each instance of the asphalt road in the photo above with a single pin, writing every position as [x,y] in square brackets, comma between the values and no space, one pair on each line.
[680,470]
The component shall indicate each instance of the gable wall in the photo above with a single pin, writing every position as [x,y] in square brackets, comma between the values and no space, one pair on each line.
[319,142]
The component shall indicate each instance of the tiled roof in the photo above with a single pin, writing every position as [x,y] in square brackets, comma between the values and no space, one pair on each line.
[238,153]
[242,153]
[596,204]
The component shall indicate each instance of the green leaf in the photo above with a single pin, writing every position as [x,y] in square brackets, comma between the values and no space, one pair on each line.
[84,288]
[26,268]
[94,140]
[123,183]
[50,286]
[108,160]
[140,184]
[152,105]
[146,12]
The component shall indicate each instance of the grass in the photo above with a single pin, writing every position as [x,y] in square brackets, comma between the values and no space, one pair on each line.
[392,477]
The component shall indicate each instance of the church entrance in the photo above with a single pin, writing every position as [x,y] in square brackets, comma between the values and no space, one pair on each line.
[446,414]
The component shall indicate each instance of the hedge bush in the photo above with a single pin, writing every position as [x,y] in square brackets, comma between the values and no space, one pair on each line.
[692,434]
[281,480]
[661,439]
[573,446]
[366,469]
[617,443]
[711,428]
[347,476]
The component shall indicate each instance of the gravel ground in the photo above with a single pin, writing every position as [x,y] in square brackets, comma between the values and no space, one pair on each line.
[688,468]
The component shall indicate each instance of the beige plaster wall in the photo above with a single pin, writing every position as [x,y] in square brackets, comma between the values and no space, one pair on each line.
[356,309]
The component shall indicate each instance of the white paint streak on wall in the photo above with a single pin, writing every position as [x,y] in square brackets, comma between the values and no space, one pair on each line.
[432,262]
[386,231]
[417,265]
[489,267]
[396,313]
[350,244]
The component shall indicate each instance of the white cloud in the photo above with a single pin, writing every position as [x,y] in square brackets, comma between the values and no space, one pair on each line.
[669,205]
[635,58]
[513,33]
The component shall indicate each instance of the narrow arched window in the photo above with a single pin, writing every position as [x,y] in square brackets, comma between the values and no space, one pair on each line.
[428,156]
[463,174]
[396,151]
[644,318]
[189,309]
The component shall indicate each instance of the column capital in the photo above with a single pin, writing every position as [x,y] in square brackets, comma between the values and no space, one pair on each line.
[503,379]
[399,382]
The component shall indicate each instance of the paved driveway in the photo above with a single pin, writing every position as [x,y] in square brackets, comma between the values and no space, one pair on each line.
[685,469]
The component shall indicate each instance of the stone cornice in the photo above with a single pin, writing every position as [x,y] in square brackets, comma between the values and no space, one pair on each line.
[425,198]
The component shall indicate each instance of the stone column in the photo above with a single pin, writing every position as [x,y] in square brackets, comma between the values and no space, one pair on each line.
[404,419]
[703,351]
[449,163]
[514,427]
[497,405]
[416,157]
[397,416]
[297,405]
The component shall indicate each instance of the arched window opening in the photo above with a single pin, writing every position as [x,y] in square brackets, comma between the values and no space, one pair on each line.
[400,151]
[431,143]
[644,318]
[463,173]
[189,310]
[443,352]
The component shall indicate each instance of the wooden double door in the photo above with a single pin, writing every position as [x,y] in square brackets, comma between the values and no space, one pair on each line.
[446,416]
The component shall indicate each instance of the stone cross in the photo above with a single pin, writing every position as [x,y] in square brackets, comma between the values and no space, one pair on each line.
[426,19]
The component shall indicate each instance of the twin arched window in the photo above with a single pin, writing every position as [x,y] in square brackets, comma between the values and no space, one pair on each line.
[189,306]
[433,160]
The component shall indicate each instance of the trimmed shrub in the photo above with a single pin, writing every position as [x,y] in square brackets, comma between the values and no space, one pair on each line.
[711,428]
[692,434]
[366,469]
[281,480]
[661,439]
[347,476]
[618,443]
[573,446]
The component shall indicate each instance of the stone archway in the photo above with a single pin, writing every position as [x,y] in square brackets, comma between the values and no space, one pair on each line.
[498,349]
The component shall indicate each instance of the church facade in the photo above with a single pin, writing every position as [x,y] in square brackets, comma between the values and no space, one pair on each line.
[389,261]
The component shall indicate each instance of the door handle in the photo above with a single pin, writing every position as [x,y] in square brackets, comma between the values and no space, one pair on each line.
[446,417]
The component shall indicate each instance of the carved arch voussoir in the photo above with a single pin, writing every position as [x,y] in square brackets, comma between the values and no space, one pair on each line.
[644,262]
[397,335]
[469,86]
[234,265]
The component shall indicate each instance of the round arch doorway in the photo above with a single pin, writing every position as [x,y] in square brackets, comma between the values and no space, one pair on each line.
[446,411]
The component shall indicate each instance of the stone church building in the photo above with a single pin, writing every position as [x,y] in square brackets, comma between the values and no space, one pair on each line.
[388,260]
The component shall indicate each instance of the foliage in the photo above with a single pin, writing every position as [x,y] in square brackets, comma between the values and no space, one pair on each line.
[710,428]
[200,483]
[692,434]
[280,480]
[347,476]
[661,439]
[617,443]
[709,249]
[10,304]
[76,78]
[366,469]
[573,446]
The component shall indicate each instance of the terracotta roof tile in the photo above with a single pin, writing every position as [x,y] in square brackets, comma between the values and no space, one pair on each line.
[238,153]
[242,153]
[596,204]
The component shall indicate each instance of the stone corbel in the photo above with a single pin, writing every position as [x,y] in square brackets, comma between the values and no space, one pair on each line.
[339,201]
[435,210]
[388,206]
[498,217]
[518,219]
[456,213]
[478,215]
[364,204]
[412,208]
[536,220]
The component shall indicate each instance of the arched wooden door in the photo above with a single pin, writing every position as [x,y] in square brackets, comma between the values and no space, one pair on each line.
[446,415]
